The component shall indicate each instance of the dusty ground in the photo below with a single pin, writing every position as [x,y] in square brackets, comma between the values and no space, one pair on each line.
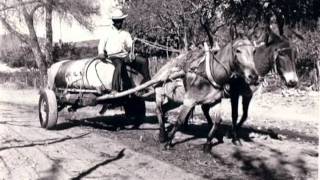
[279,141]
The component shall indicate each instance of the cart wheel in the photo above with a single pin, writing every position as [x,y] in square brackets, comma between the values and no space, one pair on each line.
[48,110]
[136,109]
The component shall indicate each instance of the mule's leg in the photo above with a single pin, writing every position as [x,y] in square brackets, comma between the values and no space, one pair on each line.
[170,105]
[205,109]
[234,97]
[216,123]
[245,105]
[160,115]
[183,116]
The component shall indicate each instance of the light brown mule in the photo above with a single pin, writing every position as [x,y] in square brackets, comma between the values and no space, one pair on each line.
[203,86]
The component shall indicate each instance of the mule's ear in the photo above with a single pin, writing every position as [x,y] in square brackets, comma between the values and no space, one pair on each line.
[275,54]
[258,35]
[252,31]
[274,28]
[233,33]
[268,36]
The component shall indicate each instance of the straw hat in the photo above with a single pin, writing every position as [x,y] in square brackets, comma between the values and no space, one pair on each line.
[118,14]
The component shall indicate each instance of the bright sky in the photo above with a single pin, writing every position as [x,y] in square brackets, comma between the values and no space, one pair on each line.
[73,31]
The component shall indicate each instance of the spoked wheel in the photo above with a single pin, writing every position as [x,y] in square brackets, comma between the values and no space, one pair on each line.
[48,110]
[135,109]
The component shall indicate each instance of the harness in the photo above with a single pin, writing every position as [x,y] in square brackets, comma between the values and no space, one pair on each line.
[209,66]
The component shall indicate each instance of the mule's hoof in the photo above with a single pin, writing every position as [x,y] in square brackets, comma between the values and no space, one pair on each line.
[229,134]
[168,146]
[236,142]
[136,126]
[162,138]
[220,140]
[207,148]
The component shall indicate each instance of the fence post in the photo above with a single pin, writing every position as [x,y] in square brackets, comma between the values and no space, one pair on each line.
[34,83]
[167,52]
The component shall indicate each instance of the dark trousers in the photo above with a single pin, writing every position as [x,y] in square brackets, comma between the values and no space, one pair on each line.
[121,80]
[141,64]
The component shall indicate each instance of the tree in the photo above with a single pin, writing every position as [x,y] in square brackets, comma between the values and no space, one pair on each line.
[18,14]
[302,13]
[155,18]
[172,18]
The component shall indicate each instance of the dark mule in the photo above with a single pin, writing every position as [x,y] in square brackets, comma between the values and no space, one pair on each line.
[203,86]
[275,51]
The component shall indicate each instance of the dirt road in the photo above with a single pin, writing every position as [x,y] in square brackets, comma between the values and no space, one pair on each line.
[89,146]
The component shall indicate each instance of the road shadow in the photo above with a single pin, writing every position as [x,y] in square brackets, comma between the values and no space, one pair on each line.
[224,131]
[85,173]
[198,131]
[259,166]
[109,123]
[44,142]
[250,165]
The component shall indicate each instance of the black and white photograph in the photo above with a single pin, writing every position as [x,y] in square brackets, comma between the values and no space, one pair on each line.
[159,89]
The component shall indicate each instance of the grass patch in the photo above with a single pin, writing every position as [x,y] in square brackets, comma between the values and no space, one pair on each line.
[20,79]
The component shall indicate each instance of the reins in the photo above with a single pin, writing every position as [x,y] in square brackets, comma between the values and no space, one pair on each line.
[152,44]
[209,66]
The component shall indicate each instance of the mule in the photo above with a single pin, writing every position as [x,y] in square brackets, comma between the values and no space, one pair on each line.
[275,51]
[204,85]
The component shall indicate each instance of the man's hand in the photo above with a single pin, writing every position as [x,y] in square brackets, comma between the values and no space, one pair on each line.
[101,56]
[132,57]
[105,53]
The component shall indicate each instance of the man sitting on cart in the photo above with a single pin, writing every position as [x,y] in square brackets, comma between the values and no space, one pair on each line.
[116,45]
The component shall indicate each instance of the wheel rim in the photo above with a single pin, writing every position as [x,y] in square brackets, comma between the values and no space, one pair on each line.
[43,111]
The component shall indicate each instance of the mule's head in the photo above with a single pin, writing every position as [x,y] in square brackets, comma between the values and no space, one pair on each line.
[285,64]
[243,51]
[281,53]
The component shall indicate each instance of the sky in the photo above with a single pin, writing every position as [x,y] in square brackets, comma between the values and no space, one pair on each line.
[74,32]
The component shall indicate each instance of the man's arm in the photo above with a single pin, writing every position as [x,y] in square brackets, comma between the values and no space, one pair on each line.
[128,46]
[101,48]
[128,42]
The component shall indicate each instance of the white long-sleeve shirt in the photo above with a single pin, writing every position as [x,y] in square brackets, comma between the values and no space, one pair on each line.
[116,42]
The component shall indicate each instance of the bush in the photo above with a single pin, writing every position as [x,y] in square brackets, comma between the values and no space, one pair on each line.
[20,57]
[63,51]
[26,78]
[309,54]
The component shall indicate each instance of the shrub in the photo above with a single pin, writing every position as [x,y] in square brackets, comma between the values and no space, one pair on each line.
[25,78]
[309,54]
[20,57]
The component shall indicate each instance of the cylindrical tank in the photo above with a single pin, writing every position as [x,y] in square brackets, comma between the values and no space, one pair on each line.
[84,74]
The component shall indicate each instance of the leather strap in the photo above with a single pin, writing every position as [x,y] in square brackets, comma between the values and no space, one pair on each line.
[208,67]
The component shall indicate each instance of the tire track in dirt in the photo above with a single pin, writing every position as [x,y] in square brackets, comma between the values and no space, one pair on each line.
[259,158]
[91,156]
